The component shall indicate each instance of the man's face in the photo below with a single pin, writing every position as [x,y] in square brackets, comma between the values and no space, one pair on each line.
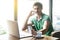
[37,9]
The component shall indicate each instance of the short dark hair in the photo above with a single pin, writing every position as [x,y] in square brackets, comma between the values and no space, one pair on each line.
[38,4]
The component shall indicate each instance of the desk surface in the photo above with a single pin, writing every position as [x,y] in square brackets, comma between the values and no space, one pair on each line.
[45,38]
[10,37]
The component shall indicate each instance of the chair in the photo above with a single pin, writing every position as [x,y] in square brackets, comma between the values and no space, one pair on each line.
[56,34]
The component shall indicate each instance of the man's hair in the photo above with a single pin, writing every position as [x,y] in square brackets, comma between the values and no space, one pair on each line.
[38,4]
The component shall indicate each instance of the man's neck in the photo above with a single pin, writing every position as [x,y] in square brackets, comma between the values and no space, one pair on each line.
[39,15]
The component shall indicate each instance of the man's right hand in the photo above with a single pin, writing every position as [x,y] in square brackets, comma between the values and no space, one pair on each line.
[24,28]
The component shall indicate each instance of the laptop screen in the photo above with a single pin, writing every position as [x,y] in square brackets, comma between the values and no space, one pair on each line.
[14,30]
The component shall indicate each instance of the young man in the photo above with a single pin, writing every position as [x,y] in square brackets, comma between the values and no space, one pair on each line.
[40,21]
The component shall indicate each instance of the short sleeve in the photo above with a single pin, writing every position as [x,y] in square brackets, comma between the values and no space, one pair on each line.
[47,18]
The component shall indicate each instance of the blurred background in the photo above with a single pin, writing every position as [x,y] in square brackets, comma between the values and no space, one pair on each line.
[18,10]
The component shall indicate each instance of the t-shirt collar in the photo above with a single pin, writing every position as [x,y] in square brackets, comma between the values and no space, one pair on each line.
[40,18]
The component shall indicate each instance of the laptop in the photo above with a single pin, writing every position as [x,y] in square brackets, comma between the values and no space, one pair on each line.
[14,30]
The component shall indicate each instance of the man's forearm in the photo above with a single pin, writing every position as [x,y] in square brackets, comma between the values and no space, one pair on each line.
[25,25]
[43,31]
[45,27]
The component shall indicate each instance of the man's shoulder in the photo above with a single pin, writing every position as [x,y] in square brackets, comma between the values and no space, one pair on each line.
[45,15]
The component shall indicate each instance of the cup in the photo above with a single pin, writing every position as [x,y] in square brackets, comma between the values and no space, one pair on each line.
[39,34]
[29,29]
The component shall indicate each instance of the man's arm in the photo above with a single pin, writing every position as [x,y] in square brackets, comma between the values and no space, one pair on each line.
[26,22]
[29,24]
[45,27]
[26,25]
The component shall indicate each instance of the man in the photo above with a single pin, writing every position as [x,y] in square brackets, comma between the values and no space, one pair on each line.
[40,21]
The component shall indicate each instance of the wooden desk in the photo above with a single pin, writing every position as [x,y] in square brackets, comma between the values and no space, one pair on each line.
[45,38]
[10,37]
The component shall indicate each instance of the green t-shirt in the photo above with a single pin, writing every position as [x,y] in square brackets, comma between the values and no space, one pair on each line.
[39,24]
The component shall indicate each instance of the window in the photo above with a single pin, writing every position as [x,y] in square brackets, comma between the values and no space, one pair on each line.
[6,13]
[56,14]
